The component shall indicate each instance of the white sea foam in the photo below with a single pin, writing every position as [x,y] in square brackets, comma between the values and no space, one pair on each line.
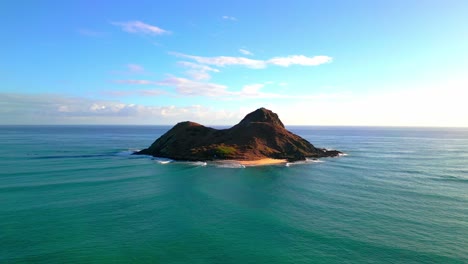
[162,160]
[229,165]
[127,153]
[307,161]
[198,163]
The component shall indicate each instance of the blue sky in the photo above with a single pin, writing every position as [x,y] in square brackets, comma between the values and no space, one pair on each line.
[377,63]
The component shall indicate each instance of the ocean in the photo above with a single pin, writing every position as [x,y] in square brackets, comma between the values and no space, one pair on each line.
[74,194]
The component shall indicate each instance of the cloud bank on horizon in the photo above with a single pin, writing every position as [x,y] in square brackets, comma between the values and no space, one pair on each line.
[150,68]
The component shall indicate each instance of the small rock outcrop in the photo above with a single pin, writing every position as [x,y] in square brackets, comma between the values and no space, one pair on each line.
[261,134]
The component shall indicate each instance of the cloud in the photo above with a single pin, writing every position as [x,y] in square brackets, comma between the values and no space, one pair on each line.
[299,60]
[252,91]
[140,28]
[140,82]
[144,93]
[57,109]
[431,104]
[197,71]
[197,66]
[405,106]
[252,88]
[182,86]
[198,75]
[131,69]
[188,87]
[222,61]
[152,92]
[231,18]
[245,52]
[135,68]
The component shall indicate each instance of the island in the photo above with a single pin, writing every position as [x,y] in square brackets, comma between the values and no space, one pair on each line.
[260,138]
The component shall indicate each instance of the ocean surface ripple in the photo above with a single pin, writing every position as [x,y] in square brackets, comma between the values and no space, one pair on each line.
[75,194]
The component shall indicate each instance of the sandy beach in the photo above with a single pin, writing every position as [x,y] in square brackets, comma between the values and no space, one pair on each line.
[259,162]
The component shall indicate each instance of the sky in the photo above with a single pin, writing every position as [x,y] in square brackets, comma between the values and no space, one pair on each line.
[331,63]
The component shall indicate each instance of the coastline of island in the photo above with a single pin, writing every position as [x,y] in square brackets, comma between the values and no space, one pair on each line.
[260,138]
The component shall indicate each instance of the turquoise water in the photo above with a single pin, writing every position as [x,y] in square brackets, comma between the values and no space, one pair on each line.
[73,194]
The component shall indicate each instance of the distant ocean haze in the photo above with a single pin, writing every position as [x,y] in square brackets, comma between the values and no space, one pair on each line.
[74,194]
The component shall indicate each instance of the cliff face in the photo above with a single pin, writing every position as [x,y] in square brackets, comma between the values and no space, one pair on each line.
[261,134]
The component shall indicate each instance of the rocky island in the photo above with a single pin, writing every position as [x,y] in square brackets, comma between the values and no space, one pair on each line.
[259,136]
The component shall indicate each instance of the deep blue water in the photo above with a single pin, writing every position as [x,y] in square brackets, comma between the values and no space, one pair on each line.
[73,194]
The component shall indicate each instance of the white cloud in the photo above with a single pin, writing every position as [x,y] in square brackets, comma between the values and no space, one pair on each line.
[441,104]
[252,88]
[229,18]
[141,92]
[438,105]
[197,66]
[140,82]
[253,91]
[152,92]
[57,109]
[131,69]
[198,75]
[299,60]
[135,68]
[140,28]
[198,71]
[245,52]
[188,87]
[222,61]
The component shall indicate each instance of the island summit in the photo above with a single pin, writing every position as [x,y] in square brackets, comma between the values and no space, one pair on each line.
[259,136]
